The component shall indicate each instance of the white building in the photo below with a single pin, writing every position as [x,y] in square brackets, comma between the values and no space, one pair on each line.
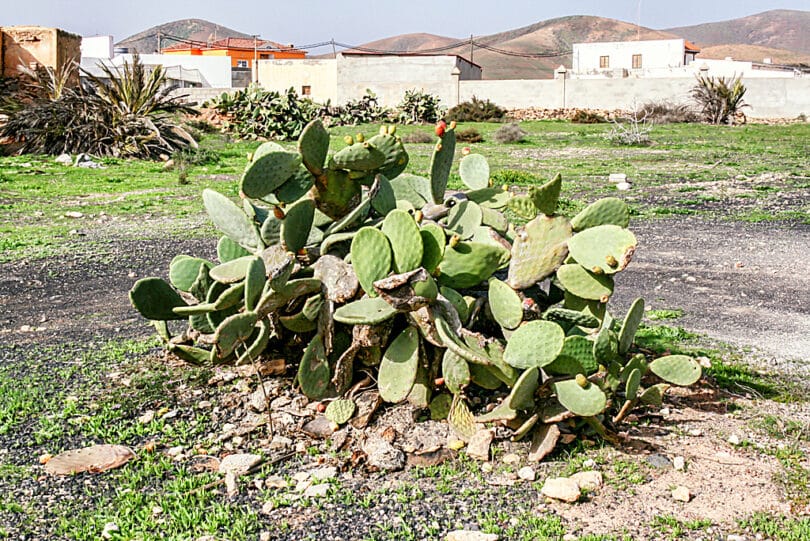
[97,47]
[621,58]
[182,71]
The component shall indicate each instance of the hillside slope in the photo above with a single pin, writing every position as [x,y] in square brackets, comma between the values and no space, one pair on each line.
[191,29]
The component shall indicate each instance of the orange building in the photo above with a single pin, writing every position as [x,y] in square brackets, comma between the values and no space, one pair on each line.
[241,50]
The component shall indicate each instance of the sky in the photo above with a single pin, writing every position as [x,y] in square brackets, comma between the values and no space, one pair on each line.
[312,21]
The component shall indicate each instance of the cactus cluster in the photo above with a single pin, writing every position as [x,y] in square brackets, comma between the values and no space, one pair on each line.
[368,270]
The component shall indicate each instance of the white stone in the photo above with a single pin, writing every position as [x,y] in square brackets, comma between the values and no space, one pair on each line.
[238,464]
[109,529]
[590,463]
[231,486]
[679,463]
[470,535]
[734,439]
[275,481]
[147,417]
[382,454]
[478,447]
[681,494]
[623,186]
[317,491]
[588,480]
[511,458]
[617,177]
[527,473]
[561,488]
[327,472]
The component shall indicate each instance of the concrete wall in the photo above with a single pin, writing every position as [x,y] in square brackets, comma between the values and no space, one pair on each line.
[97,47]
[215,70]
[769,98]
[36,45]
[200,95]
[319,74]
[666,53]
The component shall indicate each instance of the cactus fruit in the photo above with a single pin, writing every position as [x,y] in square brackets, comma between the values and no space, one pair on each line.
[593,246]
[232,220]
[340,411]
[399,366]
[585,401]
[505,304]
[534,344]
[538,251]
[155,299]
[676,369]
[296,226]
[585,284]
[371,257]
[464,218]
[609,210]
[545,197]
[406,242]
[474,171]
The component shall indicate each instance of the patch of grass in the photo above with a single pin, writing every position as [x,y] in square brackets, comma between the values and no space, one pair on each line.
[782,429]
[626,473]
[778,528]
[657,315]
[523,527]
[675,528]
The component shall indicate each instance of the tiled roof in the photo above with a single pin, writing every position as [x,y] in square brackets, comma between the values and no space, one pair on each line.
[690,47]
[235,43]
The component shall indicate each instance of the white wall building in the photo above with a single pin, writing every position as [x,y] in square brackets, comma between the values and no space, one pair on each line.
[97,47]
[620,58]
[185,71]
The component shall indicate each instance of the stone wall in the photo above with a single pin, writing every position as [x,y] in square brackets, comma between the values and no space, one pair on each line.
[36,46]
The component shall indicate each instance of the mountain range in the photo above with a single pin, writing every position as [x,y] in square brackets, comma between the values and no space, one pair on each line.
[781,35]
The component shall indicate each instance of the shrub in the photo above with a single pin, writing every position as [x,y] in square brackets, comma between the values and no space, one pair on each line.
[632,131]
[418,136]
[363,111]
[510,133]
[585,116]
[719,99]
[476,110]
[469,135]
[416,306]
[664,112]
[130,115]
[513,176]
[419,107]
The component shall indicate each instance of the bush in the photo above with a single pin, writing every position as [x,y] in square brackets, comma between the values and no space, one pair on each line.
[584,116]
[418,136]
[510,133]
[511,177]
[469,135]
[632,131]
[129,114]
[664,112]
[720,99]
[363,111]
[419,107]
[476,110]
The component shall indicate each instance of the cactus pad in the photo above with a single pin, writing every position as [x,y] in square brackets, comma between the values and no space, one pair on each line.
[269,169]
[406,242]
[474,171]
[369,311]
[297,223]
[340,411]
[255,280]
[505,304]
[523,206]
[183,271]
[233,271]
[396,157]
[313,145]
[464,218]
[573,317]
[233,332]
[440,164]
[522,395]
[632,385]
[313,372]
[584,401]
[359,157]
[232,220]
[630,325]
[399,366]
[433,243]
[610,210]
[456,371]
[371,257]
[606,247]
[384,200]
[295,187]
[534,344]
[228,250]
[545,197]
[467,264]
[154,298]
[585,284]
[576,357]
[539,250]
[676,369]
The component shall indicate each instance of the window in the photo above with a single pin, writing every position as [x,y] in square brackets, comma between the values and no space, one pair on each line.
[241,63]
[604,62]
[306,90]
[636,61]
[264,56]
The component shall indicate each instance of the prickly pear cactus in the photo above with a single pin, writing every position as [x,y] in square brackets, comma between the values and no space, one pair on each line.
[360,269]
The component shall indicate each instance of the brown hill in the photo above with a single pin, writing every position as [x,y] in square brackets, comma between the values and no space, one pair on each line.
[779,29]
[754,53]
[184,29]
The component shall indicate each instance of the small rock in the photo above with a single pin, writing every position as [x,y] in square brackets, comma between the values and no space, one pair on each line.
[588,480]
[316,491]
[265,536]
[734,537]
[176,451]
[679,463]
[623,186]
[147,417]
[734,439]
[111,527]
[470,535]
[511,458]
[301,476]
[681,494]
[204,405]
[487,467]
[478,447]
[658,461]
[231,486]
[238,464]
[258,399]
[268,507]
[320,428]
[382,454]
[561,488]
[302,485]
[73,214]
[570,537]
[275,481]
[695,432]
[664,412]
[327,472]
[617,177]
[527,473]
[590,463]
[65,159]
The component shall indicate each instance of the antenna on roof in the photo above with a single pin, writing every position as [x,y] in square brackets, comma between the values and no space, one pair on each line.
[638,22]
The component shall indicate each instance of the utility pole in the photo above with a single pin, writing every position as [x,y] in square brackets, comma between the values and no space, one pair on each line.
[334,51]
[471,48]
[160,42]
[255,58]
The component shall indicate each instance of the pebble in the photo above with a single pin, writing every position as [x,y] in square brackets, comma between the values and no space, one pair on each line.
[470,535]
[679,463]
[478,447]
[561,488]
[238,464]
[301,476]
[527,473]
[681,494]
[265,536]
[327,472]
[570,537]
[231,486]
[511,458]
[487,467]
[147,417]
[383,455]
[175,451]
[203,405]
[695,432]
[658,461]
[109,530]
[734,537]
[316,491]
[588,480]
[623,186]
[275,481]
[73,214]
[734,439]
[590,463]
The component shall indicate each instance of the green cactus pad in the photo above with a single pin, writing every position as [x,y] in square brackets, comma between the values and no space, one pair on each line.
[274,299]
[233,271]
[440,407]
[297,223]
[484,376]
[585,284]
[228,250]
[313,144]
[155,299]
[654,396]
[269,171]
[502,412]
[467,264]
[255,280]
[534,344]
[296,186]
[231,297]
[464,218]
[457,300]
[359,157]
[585,402]
[234,331]
[257,347]
[576,357]
[422,389]
[399,366]
[190,354]
[298,323]
[491,198]
[676,369]
[412,188]
[589,307]
[369,311]
[371,257]
[340,411]
[522,395]
[396,157]
[539,250]
[183,271]
[630,325]
[606,346]
[609,210]
[271,231]
[505,304]
[232,220]
[384,201]
[357,215]
[199,289]
[456,371]
[606,247]
[523,206]
[632,385]
[545,197]
[573,317]
[440,164]
[433,243]
[474,171]
[406,242]
[314,375]
[336,194]
[495,220]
